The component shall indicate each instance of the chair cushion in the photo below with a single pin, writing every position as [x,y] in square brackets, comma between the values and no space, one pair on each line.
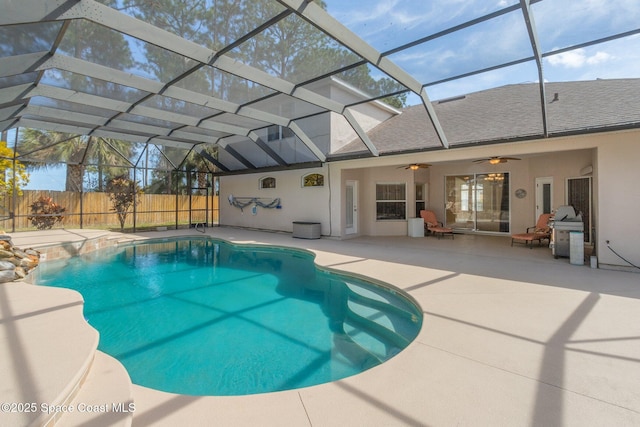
[441,229]
[529,236]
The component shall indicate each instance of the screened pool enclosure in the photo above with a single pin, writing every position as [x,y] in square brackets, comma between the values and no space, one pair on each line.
[173,94]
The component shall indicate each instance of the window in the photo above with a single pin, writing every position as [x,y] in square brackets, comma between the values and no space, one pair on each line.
[478,202]
[391,202]
[420,199]
[313,180]
[268,182]
[276,132]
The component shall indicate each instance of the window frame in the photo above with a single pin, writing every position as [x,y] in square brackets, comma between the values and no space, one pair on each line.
[400,216]
[265,179]
[305,180]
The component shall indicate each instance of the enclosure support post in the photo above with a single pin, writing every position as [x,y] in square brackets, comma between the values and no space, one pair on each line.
[134,185]
[190,191]
[14,196]
[175,190]
[81,206]
[206,203]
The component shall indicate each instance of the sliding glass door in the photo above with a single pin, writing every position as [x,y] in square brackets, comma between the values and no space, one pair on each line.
[478,202]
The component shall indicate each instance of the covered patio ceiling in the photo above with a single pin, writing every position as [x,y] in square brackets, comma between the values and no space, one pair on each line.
[244,83]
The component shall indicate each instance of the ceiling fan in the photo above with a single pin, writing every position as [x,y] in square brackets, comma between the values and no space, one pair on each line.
[495,160]
[415,166]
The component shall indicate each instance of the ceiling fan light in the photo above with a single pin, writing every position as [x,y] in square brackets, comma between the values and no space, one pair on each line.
[495,161]
[414,167]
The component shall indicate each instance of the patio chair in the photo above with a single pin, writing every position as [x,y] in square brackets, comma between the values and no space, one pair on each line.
[432,225]
[538,232]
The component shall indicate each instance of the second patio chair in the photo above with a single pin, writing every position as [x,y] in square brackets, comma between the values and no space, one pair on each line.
[538,232]
[432,225]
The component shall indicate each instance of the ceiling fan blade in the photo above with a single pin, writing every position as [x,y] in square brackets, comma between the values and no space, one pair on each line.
[494,160]
[415,166]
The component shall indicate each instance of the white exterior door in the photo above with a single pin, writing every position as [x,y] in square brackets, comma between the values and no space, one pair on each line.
[544,196]
[351,207]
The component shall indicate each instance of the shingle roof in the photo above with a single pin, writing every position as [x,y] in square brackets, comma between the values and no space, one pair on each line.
[510,113]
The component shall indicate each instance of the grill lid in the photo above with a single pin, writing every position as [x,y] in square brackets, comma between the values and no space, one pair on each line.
[567,213]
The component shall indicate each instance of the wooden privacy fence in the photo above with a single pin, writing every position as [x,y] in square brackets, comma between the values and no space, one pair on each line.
[94,210]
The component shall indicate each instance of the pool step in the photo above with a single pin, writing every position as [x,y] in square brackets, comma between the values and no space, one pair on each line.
[105,398]
[380,318]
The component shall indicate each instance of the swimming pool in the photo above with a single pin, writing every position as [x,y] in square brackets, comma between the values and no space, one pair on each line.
[201,316]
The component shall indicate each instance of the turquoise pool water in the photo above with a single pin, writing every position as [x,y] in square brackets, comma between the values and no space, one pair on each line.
[206,317]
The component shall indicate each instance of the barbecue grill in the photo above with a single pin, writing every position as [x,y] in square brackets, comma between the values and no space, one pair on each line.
[565,221]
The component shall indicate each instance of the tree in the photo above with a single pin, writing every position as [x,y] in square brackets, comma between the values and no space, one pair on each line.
[105,157]
[198,163]
[94,43]
[123,193]
[293,49]
[164,181]
[45,149]
[290,49]
[13,175]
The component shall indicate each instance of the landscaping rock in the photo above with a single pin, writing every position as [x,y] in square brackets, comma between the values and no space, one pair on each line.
[6,265]
[7,276]
[5,253]
[15,263]
[20,273]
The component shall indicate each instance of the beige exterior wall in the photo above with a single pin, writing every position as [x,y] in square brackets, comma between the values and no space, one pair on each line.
[616,195]
[384,175]
[298,203]
[341,131]
[522,174]
[618,187]
[367,115]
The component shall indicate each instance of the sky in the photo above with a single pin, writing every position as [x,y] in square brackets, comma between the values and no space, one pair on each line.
[52,179]
[388,24]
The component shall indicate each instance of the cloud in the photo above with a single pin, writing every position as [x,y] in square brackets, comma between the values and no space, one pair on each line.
[578,58]
[598,58]
[375,11]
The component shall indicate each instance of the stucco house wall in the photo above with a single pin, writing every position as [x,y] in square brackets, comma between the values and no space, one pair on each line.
[619,199]
[616,196]
[298,203]
[384,175]
[367,115]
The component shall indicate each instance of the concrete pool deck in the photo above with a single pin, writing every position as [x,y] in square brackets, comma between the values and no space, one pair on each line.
[511,336]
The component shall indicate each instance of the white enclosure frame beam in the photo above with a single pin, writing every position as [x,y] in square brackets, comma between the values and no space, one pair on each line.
[321,19]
